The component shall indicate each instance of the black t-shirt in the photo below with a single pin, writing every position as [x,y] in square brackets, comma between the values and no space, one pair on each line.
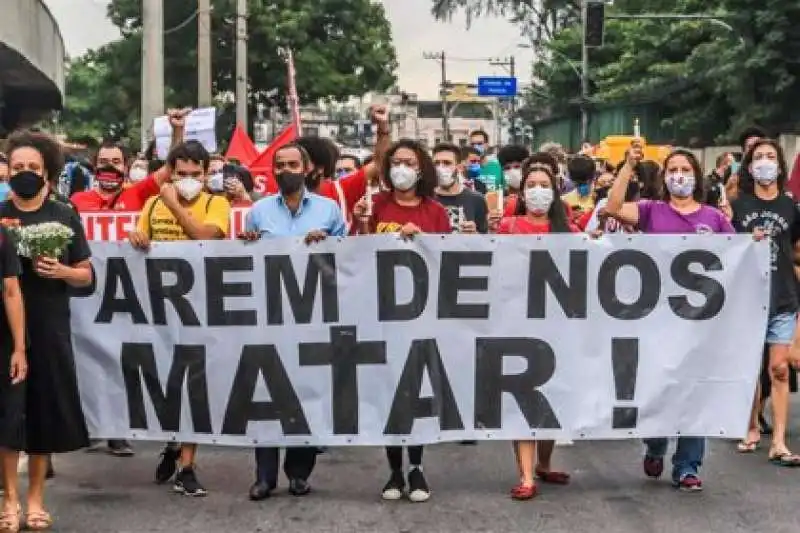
[54,291]
[474,205]
[9,268]
[780,220]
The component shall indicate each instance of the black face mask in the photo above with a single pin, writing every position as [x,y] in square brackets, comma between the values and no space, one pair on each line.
[26,184]
[290,182]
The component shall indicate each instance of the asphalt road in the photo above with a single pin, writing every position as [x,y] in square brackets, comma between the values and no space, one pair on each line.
[99,493]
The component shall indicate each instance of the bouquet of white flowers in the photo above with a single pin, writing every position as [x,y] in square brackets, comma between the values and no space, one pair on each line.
[48,239]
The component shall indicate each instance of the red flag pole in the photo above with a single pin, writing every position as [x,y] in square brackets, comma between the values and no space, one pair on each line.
[294,102]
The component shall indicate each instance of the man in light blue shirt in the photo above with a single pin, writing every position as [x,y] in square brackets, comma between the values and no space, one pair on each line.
[293,212]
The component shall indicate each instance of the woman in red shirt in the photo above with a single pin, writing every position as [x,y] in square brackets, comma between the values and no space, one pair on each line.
[407,207]
[539,210]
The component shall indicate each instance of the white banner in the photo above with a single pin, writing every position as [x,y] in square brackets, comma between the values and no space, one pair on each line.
[372,340]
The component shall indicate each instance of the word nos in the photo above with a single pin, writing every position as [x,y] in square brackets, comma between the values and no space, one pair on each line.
[114,226]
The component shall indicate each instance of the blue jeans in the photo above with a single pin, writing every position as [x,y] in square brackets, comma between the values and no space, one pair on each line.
[688,456]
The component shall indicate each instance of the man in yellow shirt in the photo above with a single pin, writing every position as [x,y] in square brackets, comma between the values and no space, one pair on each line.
[183,211]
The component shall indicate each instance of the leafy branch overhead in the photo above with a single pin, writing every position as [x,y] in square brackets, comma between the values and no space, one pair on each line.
[706,84]
[342,48]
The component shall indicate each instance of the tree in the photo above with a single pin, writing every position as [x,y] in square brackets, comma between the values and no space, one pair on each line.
[540,20]
[342,48]
[707,84]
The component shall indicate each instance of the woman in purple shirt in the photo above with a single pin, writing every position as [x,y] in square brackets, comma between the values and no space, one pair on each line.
[682,211]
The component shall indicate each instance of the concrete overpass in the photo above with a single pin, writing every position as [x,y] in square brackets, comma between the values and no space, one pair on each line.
[31,63]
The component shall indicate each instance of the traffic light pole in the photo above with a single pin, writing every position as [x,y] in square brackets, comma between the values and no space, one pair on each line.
[584,74]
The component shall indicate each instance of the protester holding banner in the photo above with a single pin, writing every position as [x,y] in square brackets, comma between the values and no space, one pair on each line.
[296,211]
[762,206]
[409,208]
[14,367]
[54,421]
[183,211]
[539,211]
[681,211]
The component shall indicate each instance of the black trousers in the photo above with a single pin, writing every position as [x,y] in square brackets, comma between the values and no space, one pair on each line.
[297,463]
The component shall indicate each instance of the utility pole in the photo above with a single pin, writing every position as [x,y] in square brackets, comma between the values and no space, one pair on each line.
[152,66]
[584,74]
[510,64]
[204,94]
[241,63]
[442,58]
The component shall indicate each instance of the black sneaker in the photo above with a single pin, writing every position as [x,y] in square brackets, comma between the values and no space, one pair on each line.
[186,483]
[120,448]
[393,490]
[168,465]
[418,490]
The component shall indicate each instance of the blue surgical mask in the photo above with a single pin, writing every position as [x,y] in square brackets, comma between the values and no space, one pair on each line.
[4,190]
[584,189]
[480,148]
[341,173]
[474,170]
[735,167]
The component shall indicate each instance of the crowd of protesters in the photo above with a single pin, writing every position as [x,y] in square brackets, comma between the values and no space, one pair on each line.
[314,193]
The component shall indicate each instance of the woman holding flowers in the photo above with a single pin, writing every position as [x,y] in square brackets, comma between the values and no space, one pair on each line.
[54,255]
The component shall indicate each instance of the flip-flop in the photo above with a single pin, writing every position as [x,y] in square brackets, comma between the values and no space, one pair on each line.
[748,446]
[788,460]
[38,520]
[11,521]
[552,477]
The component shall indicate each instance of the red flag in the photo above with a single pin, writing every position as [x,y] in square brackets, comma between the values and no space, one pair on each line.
[241,147]
[261,167]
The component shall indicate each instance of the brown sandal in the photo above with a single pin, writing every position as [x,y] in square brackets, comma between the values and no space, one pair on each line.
[10,521]
[38,520]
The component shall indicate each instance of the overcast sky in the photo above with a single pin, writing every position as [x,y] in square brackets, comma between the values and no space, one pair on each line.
[84,25]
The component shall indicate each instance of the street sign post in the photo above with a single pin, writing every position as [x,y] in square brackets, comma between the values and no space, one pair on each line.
[498,86]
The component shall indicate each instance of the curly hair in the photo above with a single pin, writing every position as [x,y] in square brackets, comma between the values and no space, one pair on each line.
[426,185]
[746,180]
[47,146]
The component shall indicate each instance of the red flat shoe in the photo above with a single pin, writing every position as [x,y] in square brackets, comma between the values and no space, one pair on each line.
[553,478]
[524,492]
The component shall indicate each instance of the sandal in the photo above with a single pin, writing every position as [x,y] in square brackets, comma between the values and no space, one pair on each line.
[552,477]
[786,459]
[10,521]
[38,520]
[748,446]
[524,492]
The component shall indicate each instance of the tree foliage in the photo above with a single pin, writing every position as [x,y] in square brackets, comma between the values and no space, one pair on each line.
[708,82]
[342,48]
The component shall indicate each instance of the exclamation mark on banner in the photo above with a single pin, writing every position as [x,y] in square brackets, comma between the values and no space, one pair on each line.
[625,361]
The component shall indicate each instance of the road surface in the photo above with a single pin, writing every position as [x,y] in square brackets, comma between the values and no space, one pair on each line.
[99,493]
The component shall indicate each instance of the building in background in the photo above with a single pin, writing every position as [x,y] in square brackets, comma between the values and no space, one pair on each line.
[31,64]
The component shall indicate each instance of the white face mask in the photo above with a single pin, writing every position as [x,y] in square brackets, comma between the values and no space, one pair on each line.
[216,182]
[188,188]
[764,171]
[403,177]
[513,177]
[538,199]
[447,176]
[137,174]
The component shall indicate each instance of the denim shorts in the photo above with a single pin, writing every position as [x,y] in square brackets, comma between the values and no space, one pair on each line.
[780,328]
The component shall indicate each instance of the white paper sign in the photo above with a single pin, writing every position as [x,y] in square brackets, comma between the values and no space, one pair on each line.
[200,126]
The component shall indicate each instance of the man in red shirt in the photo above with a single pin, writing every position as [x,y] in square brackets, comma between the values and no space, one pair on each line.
[111,168]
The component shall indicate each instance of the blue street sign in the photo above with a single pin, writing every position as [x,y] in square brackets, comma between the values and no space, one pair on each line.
[503,86]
